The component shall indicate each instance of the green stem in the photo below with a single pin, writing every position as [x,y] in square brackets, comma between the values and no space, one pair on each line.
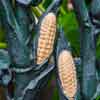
[3,45]
[37,11]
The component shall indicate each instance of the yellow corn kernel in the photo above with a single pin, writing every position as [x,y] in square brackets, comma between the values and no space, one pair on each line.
[67,74]
[47,37]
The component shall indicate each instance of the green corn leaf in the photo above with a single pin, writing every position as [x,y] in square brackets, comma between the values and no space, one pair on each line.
[3,45]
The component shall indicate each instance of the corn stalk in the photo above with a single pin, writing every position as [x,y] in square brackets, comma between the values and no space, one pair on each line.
[88,50]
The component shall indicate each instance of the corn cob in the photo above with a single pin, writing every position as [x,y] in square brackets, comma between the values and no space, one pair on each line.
[66,68]
[67,73]
[47,37]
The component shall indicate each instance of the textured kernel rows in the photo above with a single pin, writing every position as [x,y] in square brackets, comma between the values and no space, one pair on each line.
[67,73]
[47,37]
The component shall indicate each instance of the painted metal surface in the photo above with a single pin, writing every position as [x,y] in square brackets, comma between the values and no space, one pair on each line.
[21,54]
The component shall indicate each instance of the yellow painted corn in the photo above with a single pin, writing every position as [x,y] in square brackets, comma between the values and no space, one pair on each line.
[47,37]
[67,74]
